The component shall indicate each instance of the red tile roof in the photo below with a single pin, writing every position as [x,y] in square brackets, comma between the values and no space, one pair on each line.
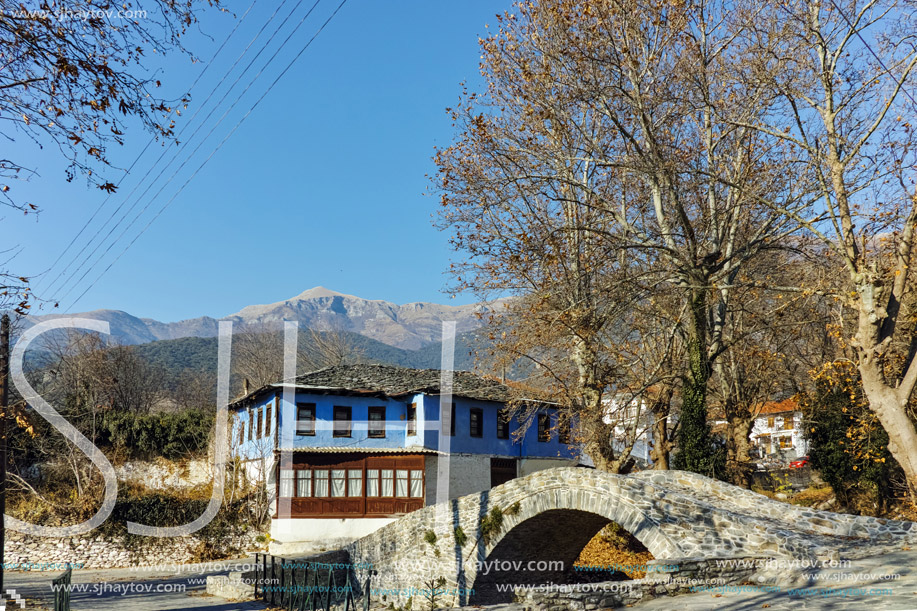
[779,407]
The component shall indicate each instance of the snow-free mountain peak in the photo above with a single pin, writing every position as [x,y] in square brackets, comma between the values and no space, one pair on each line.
[320,291]
[410,326]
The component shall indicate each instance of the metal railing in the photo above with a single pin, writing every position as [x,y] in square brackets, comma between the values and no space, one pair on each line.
[61,588]
[297,585]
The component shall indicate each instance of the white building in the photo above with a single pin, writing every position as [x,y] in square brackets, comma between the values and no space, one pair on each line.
[624,410]
[778,430]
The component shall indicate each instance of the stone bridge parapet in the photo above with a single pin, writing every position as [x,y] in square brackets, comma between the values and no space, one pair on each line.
[531,530]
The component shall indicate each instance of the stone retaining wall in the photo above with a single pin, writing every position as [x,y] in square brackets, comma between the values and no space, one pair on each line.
[91,551]
[162,474]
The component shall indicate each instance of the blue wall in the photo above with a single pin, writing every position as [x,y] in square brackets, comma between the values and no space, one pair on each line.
[262,446]
[396,427]
[488,443]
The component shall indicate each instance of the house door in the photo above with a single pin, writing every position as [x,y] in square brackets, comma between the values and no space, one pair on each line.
[502,470]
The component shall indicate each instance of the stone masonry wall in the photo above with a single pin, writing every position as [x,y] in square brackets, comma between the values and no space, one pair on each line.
[163,474]
[25,552]
[28,553]
[677,576]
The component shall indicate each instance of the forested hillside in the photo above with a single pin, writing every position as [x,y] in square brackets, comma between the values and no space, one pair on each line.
[199,354]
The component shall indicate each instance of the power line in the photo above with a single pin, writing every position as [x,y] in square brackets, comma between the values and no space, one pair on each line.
[874,54]
[255,105]
[183,145]
[128,171]
[186,143]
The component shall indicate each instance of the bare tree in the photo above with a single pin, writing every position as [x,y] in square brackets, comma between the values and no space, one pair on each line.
[85,378]
[193,390]
[608,138]
[535,336]
[258,353]
[14,290]
[773,339]
[88,373]
[329,348]
[839,75]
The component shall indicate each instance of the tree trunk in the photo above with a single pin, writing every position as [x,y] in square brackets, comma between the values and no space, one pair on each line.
[738,447]
[662,444]
[600,434]
[598,446]
[695,448]
[888,402]
[890,409]
[659,453]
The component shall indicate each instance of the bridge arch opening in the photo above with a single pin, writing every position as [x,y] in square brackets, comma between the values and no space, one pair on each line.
[543,550]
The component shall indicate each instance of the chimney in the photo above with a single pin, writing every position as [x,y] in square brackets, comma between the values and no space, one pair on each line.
[246,387]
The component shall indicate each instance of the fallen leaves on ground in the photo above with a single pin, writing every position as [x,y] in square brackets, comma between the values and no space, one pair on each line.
[615,546]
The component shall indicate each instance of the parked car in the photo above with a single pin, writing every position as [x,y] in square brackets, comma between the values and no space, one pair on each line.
[800,463]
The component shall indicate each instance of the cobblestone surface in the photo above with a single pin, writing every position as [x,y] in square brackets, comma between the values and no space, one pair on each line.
[898,594]
[834,589]
[901,564]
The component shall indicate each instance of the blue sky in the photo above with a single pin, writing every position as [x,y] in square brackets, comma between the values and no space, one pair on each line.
[323,184]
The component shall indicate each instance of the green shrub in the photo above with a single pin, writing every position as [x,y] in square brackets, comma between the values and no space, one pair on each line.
[847,444]
[170,435]
[159,509]
[460,537]
[491,524]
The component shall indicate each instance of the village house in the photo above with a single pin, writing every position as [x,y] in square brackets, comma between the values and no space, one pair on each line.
[778,430]
[632,419]
[361,445]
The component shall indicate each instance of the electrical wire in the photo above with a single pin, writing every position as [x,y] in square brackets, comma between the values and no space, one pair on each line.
[182,147]
[186,143]
[136,160]
[219,146]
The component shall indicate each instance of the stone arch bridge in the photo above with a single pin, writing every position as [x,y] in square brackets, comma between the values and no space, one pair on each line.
[549,516]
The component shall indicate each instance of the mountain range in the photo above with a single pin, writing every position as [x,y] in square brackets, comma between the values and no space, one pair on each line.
[411,326]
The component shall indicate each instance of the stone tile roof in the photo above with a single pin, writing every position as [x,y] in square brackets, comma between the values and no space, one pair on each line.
[399,381]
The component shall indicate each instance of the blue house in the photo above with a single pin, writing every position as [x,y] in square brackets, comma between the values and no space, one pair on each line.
[346,450]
